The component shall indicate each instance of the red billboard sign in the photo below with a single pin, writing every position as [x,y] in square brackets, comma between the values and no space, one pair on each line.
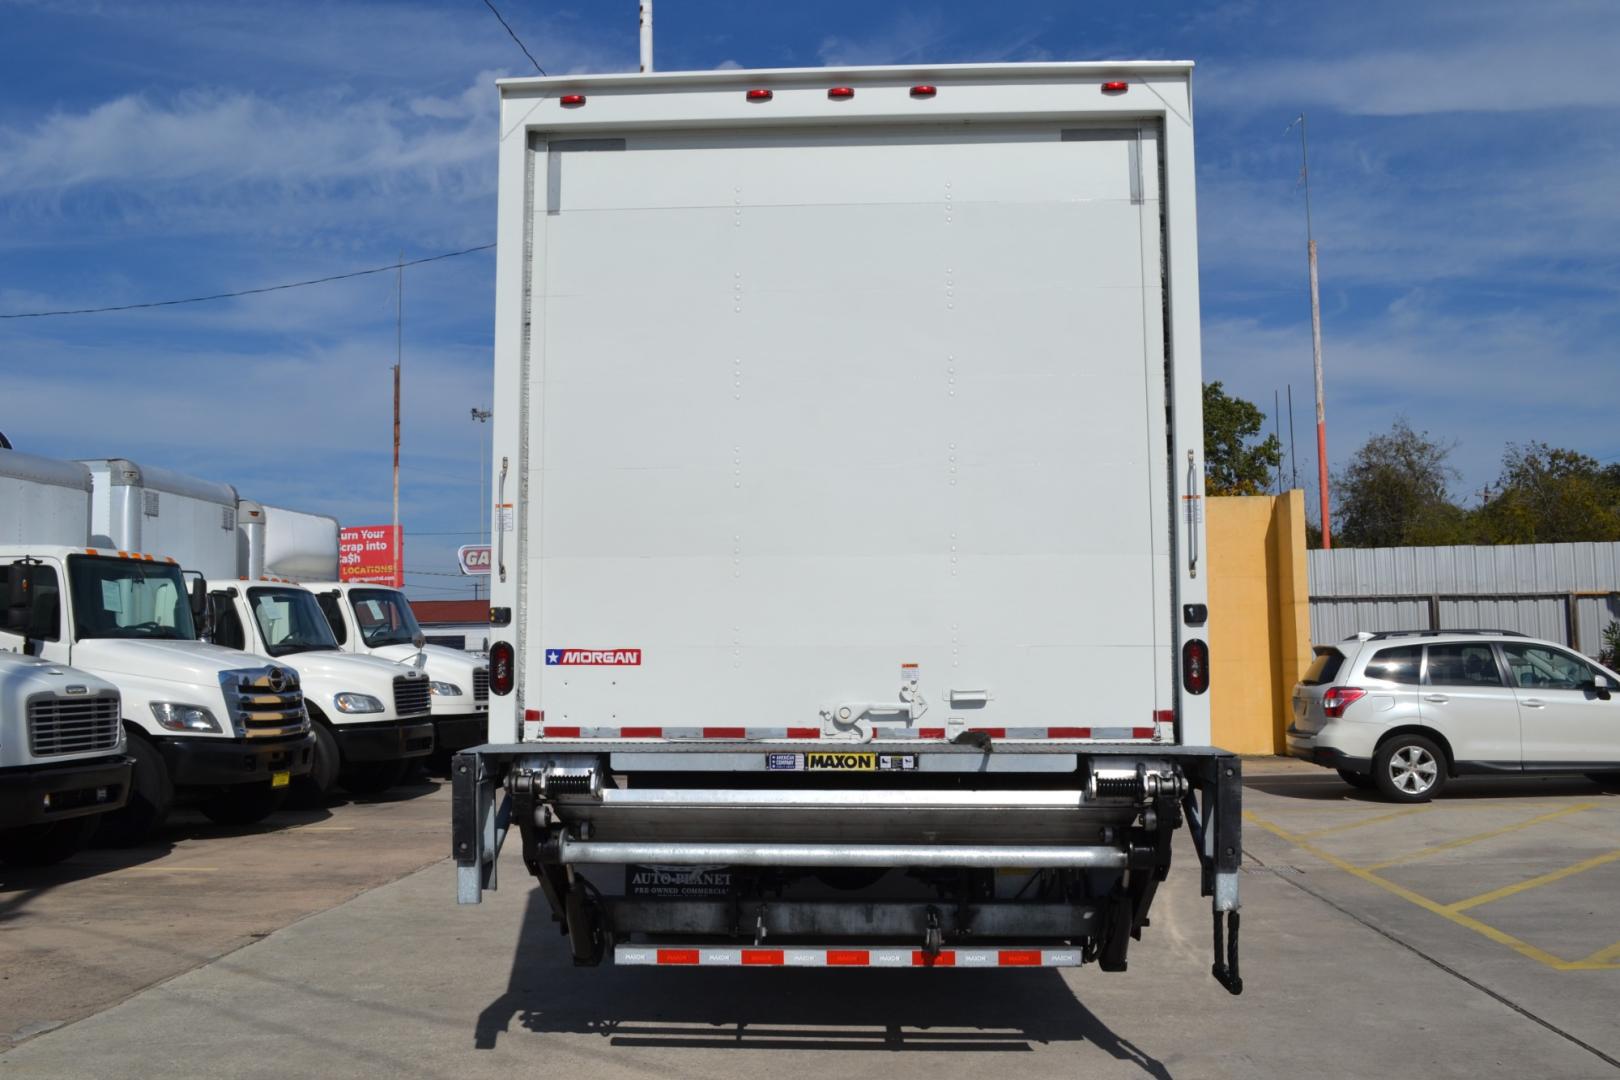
[372,553]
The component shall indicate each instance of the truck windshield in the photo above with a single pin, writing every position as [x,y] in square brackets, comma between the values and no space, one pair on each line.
[290,621]
[384,617]
[123,598]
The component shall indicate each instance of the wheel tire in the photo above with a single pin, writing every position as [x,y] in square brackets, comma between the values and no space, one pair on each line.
[47,844]
[1608,781]
[326,762]
[371,777]
[1409,769]
[1359,780]
[243,804]
[151,793]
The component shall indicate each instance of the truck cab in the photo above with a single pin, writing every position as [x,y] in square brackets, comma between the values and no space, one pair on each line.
[376,620]
[62,759]
[370,716]
[203,722]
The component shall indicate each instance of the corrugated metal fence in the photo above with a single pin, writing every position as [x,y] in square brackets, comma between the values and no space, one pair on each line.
[1562,592]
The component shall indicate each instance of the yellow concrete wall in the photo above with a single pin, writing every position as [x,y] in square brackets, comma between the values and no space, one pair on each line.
[1259,617]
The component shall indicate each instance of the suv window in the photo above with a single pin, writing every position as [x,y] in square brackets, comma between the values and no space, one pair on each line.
[1463,664]
[1403,664]
[1546,669]
[1323,669]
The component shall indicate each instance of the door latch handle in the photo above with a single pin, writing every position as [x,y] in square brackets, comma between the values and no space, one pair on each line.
[1438,699]
[1533,703]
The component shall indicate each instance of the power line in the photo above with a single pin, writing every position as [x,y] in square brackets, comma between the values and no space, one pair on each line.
[515,38]
[396,265]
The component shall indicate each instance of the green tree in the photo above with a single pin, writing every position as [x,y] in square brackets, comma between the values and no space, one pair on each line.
[1231,465]
[1549,495]
[1394,492]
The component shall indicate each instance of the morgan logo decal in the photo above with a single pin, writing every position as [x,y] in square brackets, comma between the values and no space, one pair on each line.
[594,657]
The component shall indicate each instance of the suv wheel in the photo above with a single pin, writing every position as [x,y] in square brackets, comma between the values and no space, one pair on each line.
[1409,769]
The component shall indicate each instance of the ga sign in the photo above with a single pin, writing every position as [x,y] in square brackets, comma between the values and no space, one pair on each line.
[474,559]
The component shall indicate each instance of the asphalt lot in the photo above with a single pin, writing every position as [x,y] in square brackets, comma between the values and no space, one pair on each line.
[1473,937]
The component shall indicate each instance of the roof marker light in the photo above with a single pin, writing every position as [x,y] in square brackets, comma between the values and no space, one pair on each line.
[923,90]
[759,95]
[1116,87]
[572,100]
[841,93]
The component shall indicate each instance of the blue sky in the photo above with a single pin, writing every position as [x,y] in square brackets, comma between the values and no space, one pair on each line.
[1465,160]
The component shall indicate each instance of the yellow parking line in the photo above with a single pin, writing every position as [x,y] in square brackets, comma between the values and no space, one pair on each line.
[1409,811]
[1603,956]
[1465,921]
[1535,882]
[1477,837]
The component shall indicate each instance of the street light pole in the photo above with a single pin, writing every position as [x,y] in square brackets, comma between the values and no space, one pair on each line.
[481,416]
[1316,339]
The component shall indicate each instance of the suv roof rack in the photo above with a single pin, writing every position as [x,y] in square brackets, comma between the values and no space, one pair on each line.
[1383,635]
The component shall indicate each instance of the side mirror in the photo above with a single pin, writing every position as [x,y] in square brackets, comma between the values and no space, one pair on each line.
[201,613]
[1600,686]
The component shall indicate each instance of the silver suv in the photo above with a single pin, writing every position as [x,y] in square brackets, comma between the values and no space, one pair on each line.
[1402,711]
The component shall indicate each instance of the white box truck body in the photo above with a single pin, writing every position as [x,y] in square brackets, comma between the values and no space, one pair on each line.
[144,508]
[275,542]
[848,521]
[202,722]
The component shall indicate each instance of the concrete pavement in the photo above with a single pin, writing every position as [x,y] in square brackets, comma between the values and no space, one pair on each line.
[1344,978]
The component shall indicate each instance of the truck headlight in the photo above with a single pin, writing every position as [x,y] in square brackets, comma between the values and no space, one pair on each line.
[446,689]
[353,703]
[175,716]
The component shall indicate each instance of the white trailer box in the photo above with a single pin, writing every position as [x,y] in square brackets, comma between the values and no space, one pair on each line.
[144,508]
[275,542]
[46,501]
[849,464]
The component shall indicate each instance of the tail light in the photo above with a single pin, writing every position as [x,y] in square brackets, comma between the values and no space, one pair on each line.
[1195,666]
[1338,698]
[500,667]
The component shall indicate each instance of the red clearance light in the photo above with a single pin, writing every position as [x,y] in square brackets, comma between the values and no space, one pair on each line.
[1195,666]
[572,100]
[1115,87]
[760,95]
[1337,698]
[923,90]
[500,667]
[841,93]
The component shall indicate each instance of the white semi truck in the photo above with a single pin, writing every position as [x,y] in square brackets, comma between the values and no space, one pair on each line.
[203,722]
[62,759]
[849,596]
[370,716]
[376,620]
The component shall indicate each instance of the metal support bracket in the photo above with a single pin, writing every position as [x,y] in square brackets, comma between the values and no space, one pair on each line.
[1214,809]
[478,826]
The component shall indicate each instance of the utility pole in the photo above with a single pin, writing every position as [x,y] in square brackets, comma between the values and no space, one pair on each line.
[399,353]
[1316,338]
[481,416]
[646,36]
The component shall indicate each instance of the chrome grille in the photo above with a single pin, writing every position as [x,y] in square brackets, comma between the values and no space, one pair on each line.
[412,694]
[264,711]
[481,684]
[77,725]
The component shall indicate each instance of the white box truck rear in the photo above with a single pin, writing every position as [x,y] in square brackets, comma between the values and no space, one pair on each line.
[848,516]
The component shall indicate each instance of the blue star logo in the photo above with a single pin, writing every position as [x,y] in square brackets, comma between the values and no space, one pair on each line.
[553,656]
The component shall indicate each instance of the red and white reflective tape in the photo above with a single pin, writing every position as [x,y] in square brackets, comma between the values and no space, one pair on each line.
[842,956]
[759,734]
